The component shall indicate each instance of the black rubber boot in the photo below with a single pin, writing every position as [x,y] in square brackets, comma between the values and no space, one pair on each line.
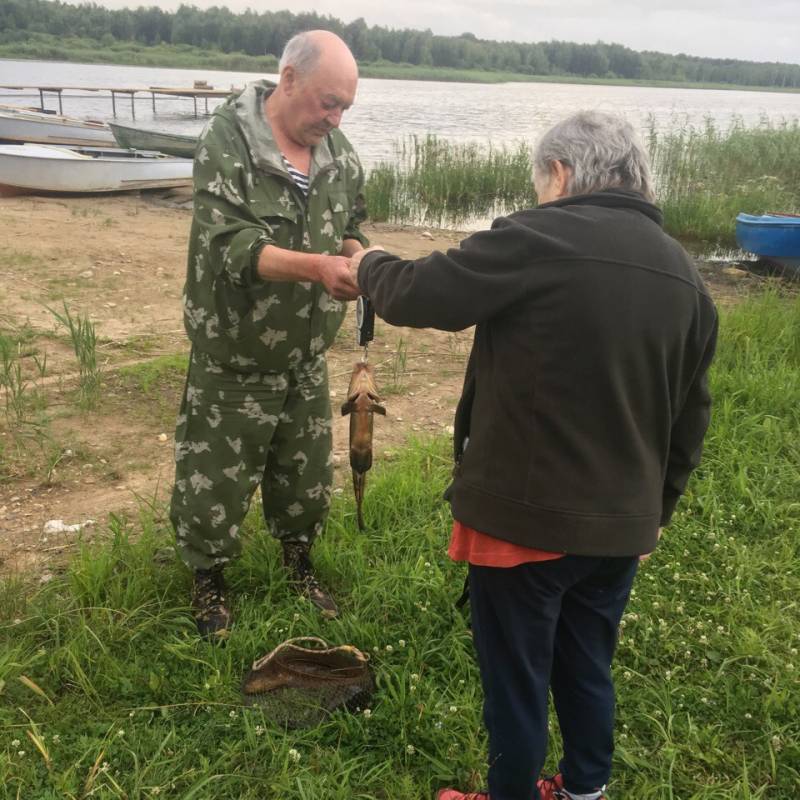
[297,560]
[211,613]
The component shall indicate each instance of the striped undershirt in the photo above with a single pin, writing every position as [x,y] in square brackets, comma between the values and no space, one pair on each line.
[300,178]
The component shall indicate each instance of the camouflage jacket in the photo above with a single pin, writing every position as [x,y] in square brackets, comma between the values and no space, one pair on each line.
[244,199]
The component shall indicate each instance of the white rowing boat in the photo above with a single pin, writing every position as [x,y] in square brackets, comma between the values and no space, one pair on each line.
[34,168]
[23,125]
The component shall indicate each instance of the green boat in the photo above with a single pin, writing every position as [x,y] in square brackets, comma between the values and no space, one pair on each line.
[173,144]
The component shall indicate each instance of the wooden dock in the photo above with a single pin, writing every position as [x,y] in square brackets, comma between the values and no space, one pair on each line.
[195,92]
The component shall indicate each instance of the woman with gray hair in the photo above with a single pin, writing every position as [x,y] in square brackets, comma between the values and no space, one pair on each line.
[583,413]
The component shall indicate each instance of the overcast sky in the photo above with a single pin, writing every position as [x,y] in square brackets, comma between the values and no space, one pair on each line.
[768,30]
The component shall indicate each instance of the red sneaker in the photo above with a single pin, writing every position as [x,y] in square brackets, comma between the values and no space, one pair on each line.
[454,794]
[552,788]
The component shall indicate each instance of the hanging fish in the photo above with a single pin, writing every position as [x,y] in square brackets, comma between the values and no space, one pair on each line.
[362,402]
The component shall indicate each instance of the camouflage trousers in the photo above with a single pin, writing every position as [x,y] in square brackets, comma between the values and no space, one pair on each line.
[237,431]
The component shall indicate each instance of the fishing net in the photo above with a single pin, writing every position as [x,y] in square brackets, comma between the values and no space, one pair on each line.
[302,680]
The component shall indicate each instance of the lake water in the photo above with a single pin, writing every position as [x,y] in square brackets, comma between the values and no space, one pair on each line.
[385,111]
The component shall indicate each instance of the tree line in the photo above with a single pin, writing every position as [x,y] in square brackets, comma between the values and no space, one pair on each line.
[266,33]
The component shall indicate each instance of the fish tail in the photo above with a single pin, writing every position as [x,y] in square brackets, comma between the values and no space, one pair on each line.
[359,480]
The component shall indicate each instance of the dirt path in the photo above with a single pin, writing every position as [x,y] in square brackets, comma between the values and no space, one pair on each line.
[121,260]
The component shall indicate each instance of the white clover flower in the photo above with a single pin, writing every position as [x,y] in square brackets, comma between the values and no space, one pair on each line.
[259,730]
[389,648]
[294,755]
[15,742]
[367,713]
[415,677]
[748,715]
[57,738]
[232,714]
[120,732]
[453,709]
[20,753]
[627,675]
[410,749]
[401,643]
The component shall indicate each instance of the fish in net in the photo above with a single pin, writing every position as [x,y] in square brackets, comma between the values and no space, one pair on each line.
[304,679]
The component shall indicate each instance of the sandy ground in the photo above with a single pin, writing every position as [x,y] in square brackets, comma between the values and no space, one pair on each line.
[121,260]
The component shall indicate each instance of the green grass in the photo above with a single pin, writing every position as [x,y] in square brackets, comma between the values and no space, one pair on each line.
[106,691]
[150,373]
[706,176]
[84,50]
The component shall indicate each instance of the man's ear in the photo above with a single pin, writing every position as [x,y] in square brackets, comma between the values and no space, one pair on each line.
[288,79]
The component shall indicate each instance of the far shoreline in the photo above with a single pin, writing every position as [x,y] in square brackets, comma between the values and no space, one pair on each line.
[257,65]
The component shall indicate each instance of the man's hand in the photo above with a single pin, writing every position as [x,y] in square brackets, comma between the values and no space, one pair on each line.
[337,278]
[355,260]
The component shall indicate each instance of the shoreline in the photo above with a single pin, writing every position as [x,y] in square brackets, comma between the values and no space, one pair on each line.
[240,62]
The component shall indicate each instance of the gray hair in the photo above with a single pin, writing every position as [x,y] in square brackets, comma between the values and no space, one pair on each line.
[301,52]
[602,151]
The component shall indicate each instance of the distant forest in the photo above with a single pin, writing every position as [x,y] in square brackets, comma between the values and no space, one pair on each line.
[260,34]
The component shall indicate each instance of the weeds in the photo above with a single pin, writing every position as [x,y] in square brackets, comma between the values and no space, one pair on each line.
[83,336]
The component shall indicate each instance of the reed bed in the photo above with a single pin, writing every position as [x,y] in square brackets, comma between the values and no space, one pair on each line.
[437,182]
[704,177]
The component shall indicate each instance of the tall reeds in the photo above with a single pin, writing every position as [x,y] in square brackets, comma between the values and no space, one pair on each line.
[704,177]
[438,182]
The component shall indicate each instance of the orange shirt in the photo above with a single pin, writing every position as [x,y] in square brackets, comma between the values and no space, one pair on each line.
[467,544]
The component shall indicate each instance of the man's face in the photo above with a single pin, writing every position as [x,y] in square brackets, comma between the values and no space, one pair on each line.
[317,102]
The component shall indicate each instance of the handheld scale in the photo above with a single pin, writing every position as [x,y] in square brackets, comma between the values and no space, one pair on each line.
[365,323]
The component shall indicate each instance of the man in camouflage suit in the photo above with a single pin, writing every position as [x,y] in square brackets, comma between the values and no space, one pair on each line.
[277,203]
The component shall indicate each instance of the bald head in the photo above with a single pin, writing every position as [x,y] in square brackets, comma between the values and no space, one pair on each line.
[312,50]
[318,81]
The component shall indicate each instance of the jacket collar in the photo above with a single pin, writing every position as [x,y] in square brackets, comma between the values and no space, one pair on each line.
[249,109]
[611,198]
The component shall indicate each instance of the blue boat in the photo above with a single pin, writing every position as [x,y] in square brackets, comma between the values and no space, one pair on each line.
[774,237]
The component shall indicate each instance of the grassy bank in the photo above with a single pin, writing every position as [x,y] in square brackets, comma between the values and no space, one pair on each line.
[106,691]
[43,47]
[46,47]
[704,176]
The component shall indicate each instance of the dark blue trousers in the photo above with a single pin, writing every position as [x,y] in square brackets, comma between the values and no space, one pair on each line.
[548,624]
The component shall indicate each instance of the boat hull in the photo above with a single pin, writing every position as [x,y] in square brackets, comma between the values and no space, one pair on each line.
[20,125]
[770,235]
[172,144]
[30,169]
